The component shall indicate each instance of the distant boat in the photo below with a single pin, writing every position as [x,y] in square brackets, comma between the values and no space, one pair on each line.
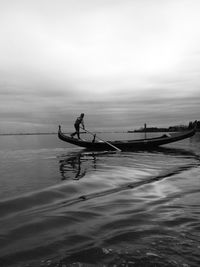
[127,145]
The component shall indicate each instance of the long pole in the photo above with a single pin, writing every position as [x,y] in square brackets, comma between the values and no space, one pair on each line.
[145,131]
[104,141]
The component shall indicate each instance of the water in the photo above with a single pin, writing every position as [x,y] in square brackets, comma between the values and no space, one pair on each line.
[63,206]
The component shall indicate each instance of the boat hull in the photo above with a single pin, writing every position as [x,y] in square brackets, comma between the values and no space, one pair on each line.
[127,145]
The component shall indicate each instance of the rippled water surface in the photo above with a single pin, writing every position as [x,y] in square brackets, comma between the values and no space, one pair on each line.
[64,206]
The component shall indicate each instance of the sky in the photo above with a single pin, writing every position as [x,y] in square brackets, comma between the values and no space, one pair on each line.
[121,62]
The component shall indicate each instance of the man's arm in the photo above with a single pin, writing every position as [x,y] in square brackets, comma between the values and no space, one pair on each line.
[82,123]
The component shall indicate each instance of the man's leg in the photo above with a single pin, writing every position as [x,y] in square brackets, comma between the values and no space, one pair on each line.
[75,126]
[78,131]
[72,135]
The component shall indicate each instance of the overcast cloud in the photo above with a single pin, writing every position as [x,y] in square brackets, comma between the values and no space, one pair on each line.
[121,62]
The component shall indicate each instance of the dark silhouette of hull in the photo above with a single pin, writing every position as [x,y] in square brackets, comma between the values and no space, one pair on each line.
[126,145]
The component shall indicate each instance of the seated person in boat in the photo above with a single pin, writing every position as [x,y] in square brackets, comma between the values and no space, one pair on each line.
[79,121]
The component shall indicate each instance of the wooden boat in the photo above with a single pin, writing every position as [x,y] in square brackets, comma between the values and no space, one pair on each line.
[125,145]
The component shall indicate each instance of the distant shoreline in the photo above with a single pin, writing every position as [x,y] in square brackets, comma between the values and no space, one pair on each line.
[131,131]
[147,130]
[161,130]
[3,134]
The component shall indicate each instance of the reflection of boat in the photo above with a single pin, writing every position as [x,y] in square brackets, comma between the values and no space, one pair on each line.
[74,166]
[147,143]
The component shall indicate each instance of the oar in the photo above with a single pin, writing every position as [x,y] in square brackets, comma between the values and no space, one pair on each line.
[103,140]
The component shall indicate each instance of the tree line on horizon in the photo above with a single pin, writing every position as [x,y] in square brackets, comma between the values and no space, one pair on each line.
[174,128]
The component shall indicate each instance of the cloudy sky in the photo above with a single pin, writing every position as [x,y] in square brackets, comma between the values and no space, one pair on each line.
[121,62]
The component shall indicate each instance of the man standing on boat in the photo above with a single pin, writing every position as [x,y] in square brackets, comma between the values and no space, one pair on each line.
[79,121]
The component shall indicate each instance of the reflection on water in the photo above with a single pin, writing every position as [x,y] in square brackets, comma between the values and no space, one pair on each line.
[75,166]
[81,208]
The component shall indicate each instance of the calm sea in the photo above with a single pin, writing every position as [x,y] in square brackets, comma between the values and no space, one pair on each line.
[62,206]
